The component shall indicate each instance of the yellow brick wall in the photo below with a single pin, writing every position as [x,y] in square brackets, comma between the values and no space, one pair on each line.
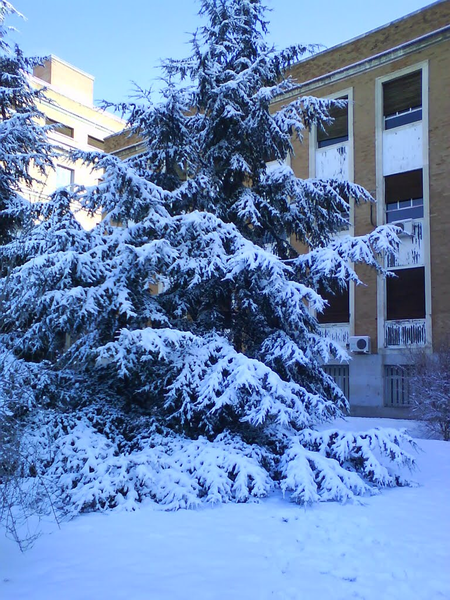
[428,19]
[68,100]
[363,84]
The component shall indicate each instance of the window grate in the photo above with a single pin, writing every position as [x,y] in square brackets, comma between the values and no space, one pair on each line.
[397,385]
[340,374]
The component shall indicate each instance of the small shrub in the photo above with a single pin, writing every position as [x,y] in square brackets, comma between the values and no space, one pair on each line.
[430,390]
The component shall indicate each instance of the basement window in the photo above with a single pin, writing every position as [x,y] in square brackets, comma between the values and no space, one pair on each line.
[341,375]
[397,385]
[336,132]
[403,194]
[405,294]
[60,127]
[402,100]
[338,309]
[95,142]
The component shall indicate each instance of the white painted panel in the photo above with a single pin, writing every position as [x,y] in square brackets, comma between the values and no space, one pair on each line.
[272,165]
[275,164]
[411,252]
[405,333]
[402,149]
[338,332]
[333,162]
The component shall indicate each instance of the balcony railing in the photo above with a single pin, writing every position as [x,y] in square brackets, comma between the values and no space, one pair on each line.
[408,332]
[337,332]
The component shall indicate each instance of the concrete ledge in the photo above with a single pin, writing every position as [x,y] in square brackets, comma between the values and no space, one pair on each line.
[387,412]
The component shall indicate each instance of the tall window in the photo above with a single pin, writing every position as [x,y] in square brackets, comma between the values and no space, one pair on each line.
[405,294]
[402,100]
[341,375]
[64,177]
[337,131]
[404,196]
[338,309]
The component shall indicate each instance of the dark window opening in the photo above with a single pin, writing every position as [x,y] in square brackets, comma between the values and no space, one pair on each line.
[403,194]
[95,142]
[405,294]
[338,309]
[336,132]
[60,127]
[402,100]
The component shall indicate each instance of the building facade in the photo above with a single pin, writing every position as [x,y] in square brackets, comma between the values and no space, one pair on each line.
[79,125]
[393,139]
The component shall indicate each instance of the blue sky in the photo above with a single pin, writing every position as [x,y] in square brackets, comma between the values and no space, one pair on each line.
[120,42]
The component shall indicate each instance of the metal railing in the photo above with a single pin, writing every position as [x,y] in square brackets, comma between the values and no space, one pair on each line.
[397,385]
[340,374]
[405,333]
[337,332]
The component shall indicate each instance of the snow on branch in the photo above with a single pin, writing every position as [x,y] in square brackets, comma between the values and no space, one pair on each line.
[122,194]
[334,465]
[90,469]
[334,261]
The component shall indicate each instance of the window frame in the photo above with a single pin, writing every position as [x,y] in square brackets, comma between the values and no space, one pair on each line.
[60,128]
[379,194]
[337,140]
[404,116]
[70,185]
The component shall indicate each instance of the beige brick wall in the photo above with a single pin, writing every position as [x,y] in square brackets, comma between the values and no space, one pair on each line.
[439,157]
[69,80]
[123,144]
[363,84]
[429,19]
[68,100]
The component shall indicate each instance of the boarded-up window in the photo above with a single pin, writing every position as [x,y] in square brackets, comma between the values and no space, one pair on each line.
[405,294]
[338,310]
[336,132]
[60,127]
[404,196]
[95,142]
[402,100]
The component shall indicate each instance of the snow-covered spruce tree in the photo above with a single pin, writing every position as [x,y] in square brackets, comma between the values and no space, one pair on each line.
[24,154]
[211,388]
[23,142]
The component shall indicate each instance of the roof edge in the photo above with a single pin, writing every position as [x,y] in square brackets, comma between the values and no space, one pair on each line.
[365,34]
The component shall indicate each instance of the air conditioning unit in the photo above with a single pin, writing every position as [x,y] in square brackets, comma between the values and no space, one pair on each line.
[360,344]
[407,227]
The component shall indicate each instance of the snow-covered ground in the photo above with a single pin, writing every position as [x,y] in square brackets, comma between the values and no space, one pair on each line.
[396,546]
